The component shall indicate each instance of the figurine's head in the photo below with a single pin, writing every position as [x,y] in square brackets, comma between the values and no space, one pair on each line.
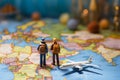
[54,39]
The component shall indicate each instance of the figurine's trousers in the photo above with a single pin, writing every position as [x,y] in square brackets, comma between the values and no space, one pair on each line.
[57,58]
[42,60]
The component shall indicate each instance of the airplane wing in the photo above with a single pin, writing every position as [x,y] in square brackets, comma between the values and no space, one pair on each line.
[92,65]
[79,67]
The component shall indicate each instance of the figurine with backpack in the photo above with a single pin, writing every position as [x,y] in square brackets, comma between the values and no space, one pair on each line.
[43,50]
[55,48]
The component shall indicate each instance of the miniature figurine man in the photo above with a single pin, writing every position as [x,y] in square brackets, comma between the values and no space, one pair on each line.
[43,50]
[55,48]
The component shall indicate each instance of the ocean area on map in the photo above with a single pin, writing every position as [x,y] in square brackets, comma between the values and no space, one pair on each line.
[5,73]
[106,70]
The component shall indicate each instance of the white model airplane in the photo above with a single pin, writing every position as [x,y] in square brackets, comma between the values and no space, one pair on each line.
[80,65]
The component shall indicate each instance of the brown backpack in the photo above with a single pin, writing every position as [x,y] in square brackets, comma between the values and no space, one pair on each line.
[42,48]
[56,48]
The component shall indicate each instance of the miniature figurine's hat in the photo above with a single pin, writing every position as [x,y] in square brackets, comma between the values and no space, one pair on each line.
[54,39]
[43,40]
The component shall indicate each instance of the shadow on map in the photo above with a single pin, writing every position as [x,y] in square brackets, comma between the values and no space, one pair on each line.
[82,71]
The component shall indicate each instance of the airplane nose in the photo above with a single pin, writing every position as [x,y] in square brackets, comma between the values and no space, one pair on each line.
[61,67]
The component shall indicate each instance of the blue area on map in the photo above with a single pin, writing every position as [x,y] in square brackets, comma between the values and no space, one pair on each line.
[63,38]
[5,73]
[106,71]
[28,29]
[11,25]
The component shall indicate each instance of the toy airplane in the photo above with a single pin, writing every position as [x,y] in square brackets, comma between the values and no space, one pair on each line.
[79,65]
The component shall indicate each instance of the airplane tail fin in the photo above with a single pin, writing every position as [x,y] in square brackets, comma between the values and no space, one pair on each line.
[90,59]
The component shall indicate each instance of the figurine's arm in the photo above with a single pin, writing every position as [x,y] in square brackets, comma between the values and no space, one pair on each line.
[51,47]
[38,48]
[59,48]
[46,48]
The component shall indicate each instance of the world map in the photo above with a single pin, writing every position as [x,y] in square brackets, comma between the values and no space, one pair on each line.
[19,58]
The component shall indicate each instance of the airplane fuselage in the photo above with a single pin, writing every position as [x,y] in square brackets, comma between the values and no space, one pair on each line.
[68,65]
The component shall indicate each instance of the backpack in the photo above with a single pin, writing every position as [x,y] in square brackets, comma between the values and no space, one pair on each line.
[42,48]
[56,48]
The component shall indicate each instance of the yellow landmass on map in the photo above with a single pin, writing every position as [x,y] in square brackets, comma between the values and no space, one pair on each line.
[63,52]
[90,47]
[107,53]
[13,55]
[25,26]
[26,49]
[37,41]
[39,77]
[77,40]
[29,70]
[34,23]
[39,24]
[1,41]
[19,76]
[45,72]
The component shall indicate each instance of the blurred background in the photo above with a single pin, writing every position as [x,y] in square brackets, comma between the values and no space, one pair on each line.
[103,12]
[49,8]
